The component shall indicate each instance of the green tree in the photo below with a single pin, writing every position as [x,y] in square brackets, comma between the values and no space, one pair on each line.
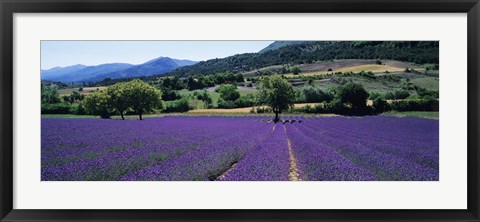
[192,84]
[119,98]
[380,105]
[206,98]
[295,70]
[98,104]
[142,97]
[228,92]
[49,95]
[277,93]
[353,94]
[76,97]
[311,94]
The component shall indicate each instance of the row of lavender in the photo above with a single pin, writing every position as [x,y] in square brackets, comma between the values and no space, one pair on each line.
[368,148]
[240,149]
[170,148]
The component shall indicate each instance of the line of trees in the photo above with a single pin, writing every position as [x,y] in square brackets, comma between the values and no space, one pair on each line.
[52,103]
[135,96]
[348,99]
[138,97]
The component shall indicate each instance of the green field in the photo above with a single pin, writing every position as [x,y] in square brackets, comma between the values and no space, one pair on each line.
[430,83]
[67,116]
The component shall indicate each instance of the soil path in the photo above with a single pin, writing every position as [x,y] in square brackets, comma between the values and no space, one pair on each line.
[293,174]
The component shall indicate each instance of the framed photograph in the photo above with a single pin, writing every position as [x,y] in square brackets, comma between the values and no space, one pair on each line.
[239,110]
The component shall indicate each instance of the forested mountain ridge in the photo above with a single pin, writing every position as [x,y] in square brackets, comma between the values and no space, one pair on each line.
[156,66]
[279,44]
[419,52]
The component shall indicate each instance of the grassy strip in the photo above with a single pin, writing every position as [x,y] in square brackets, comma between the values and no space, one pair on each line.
[67,116]
[421,114]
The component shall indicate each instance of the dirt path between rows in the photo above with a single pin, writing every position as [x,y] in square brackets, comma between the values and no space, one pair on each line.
[293,174]
[274,125]
[224,174]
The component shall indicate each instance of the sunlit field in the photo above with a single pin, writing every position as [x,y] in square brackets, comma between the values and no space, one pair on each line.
[236,148]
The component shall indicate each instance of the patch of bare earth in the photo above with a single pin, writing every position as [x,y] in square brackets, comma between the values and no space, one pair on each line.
[226,172]
[293,174]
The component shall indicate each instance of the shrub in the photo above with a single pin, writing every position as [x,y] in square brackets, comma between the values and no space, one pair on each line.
[206,98]
[245,101]
[181,105]
[416,105]
[228,92]
[354,95]
[397,94]
[264,110]
[335,106]
[295,70]
[310,94]
[426,94]
[49,95]
[80,109]
[170,95]
[380,105]
[374,95]
[225,104]
[57,108]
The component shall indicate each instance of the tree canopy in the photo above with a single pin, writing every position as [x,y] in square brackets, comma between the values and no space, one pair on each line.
[99,104]
[142,97]
[228,92]
[353,94]
[49,95]
[135,95]
[277,93]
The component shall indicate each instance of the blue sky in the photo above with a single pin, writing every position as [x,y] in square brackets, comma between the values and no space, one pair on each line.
[67,53]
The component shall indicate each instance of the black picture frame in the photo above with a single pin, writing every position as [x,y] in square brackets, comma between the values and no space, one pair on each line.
[9,7]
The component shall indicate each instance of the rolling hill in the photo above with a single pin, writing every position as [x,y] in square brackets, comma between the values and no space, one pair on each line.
[419,52]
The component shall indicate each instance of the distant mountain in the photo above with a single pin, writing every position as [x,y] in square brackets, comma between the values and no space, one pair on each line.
[90,72]
[295,52]
[82,73]
[58,72]
[184,62]
[156,66]
[279,44]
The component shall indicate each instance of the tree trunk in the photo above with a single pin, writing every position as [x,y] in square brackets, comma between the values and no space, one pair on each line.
[121,114]
[276,117]
[140,115]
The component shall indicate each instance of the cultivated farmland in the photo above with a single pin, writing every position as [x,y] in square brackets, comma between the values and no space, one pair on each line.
[241,148]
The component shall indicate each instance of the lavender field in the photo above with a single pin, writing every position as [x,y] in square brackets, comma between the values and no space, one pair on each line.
[241,148]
